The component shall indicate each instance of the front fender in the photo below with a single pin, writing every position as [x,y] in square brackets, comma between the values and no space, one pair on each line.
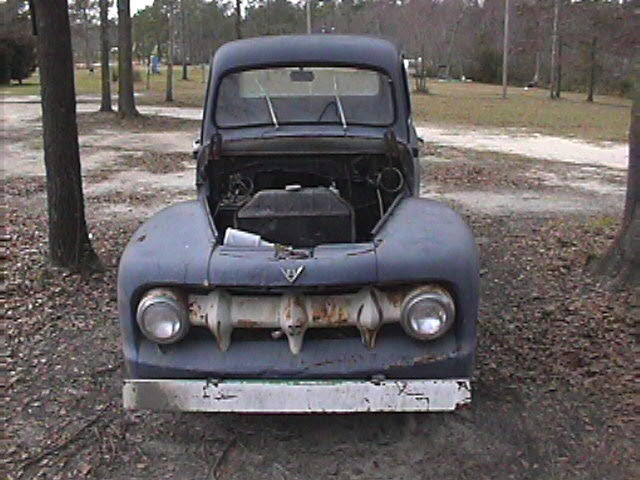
[426,241]
[171,248]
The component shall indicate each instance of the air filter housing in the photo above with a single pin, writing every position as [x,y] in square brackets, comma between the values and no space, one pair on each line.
[303,217]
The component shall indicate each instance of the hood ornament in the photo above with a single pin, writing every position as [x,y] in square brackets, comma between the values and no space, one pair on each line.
[292,274]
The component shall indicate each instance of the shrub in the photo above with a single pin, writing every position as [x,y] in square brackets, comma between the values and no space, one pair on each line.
[6,52]
[137,75]
[488,66]
[24,58]
[17,58]
[626,87]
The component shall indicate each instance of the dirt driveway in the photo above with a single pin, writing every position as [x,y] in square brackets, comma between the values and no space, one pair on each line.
[553,392]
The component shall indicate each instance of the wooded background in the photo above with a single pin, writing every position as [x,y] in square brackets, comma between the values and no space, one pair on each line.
[456,38]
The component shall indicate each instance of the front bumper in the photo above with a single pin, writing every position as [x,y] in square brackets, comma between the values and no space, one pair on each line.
[396,356]
[297,396]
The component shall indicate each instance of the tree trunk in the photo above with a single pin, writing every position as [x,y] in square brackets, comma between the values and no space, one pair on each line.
[622,260]
[554,50]
[238,20]
[422,72]
[105,105]
[452,40]
[85,29]
[505,51]
[69,244]
[592,69]
[169,92]
[126,102]
[559,73]
[536,74]
[149,73]
[185,74]
[348,6]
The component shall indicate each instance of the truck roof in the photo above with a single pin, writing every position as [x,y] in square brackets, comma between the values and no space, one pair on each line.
[346,50]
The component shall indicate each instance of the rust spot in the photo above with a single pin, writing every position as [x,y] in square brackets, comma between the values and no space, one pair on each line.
[330,313]
[428,358]
[246,323]
[396,297]
[195,310]
[218,335]
[361,252]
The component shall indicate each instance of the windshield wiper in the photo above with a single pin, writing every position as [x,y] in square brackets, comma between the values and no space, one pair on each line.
[272,112]
[339,103]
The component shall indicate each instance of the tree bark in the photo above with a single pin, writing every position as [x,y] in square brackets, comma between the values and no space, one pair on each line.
[536,74]
[592,69]
[452,39]
[183,23]
[238,20]
[554,51]
[622,260]
[505,51]
[69,244]
[85,28]
[422,72]
[126,101]
[559,70]
[169,91]
[105,104]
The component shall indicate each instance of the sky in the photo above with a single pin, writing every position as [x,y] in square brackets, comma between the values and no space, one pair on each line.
[139,4]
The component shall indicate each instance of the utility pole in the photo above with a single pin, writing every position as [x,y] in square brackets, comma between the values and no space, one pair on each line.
[554,51]
[309,17]
[505,50]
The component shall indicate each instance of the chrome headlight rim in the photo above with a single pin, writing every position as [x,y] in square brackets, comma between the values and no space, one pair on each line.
[169,297]
[434,294]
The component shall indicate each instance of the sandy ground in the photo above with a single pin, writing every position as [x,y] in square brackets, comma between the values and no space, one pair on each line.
[608,154]
[525,421]
[100,152]
[514,141]
[22,155]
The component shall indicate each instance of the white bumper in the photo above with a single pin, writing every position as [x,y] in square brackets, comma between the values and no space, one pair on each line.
[297,396]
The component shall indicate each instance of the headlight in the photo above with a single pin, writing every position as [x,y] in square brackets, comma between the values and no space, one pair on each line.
[428,313]
[162,315]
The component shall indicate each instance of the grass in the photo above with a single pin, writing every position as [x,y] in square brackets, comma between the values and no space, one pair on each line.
[186,92]
[481,105]
[449,104]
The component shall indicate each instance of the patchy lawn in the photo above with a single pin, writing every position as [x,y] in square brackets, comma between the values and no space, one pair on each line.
[90,122]
[481,105]
[186,92]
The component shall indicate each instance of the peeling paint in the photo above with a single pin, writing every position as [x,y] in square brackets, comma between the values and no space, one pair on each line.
[292,314]
[297,396]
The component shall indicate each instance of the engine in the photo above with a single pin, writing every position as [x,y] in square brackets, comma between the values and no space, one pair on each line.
[302,202]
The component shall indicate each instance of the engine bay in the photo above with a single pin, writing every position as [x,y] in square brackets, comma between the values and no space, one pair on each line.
[304,201]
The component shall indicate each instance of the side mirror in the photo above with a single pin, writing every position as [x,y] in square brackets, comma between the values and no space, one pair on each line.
[195,148]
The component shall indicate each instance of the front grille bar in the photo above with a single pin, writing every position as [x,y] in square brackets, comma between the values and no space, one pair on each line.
[293,314]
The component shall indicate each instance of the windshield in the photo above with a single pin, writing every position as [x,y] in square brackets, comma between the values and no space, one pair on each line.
[280,96]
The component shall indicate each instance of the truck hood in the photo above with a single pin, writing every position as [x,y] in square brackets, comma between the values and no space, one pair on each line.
[422,240]
[264,267]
